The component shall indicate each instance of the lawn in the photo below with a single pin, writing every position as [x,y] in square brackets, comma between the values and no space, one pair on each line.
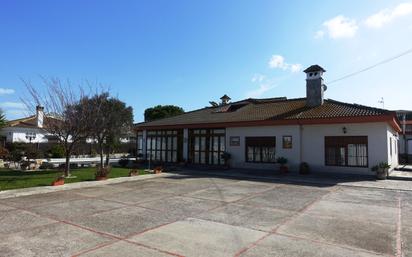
[13,179]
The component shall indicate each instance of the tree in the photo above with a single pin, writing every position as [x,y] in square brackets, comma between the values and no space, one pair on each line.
[3,121]
[69,118]
[162,111]
[113,119]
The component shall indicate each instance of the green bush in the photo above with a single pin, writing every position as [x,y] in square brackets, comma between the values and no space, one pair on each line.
[123,161]
[57,151]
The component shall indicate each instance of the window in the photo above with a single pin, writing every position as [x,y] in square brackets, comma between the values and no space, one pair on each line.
[260,149]
[163,145]
[346,151]
[390,146]
[139,143]
[287,142]
[207,146]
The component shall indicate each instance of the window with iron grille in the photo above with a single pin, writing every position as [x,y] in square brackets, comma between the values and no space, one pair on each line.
[261,149]
[349,151]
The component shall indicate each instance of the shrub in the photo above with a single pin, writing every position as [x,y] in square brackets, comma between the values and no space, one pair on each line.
[282,160]
[123,161]
[57,151]
[226,156]
[304,168]
[4,153]
[72,166]
[103,171]
[46,166]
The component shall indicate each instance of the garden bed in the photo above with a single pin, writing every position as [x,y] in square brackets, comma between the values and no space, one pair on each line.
[14,179]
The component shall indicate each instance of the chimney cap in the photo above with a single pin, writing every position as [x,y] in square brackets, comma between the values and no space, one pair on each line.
[225,97]
[314,68]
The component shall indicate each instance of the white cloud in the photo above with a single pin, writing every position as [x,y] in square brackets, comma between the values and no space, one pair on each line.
[319,34]
[278,62]
[263,88]
[295,67]
[341,27]
[12,105]
[258,77]
[6,91]
[385,16]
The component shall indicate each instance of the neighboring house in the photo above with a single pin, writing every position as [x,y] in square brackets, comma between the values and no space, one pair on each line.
[327,134]
[405,139]
[31,130]
[27,130]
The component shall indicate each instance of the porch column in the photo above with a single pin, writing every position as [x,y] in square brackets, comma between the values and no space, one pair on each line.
[186,144]
[144,136]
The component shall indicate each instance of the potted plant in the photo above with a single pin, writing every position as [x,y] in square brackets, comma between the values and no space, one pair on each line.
[59,181]
[304,168]
[283,167]
[226,158]
[102,173]
[381,170]
[158,169]
[133,172]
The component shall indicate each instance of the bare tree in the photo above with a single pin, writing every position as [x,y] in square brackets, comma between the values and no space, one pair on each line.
[68,117]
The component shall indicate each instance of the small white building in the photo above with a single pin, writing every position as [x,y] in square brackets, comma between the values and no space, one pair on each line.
[328,135]
[26,130]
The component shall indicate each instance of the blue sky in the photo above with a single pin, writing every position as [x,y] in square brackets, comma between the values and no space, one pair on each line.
[190,52]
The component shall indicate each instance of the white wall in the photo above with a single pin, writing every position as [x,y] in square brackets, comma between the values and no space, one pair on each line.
[313,144]
[393,159]
[238,152]
[17,134]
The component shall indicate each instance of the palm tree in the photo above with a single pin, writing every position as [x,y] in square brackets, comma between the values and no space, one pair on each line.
[3,121]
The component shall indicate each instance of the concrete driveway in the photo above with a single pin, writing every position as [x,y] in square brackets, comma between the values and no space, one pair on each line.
[205,216]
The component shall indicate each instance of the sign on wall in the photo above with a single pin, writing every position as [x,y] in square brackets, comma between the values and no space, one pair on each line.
[234,141]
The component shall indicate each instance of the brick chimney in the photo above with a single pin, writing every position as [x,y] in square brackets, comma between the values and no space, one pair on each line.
[39,116]
[314,85]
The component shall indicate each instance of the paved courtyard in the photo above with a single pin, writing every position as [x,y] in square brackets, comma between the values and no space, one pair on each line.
[208,216]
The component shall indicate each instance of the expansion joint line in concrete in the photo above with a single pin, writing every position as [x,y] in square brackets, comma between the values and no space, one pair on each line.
[399,227]
[274,231]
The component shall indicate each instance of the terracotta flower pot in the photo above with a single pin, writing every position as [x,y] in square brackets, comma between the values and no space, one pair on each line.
[284,169]
[158,170]
[58,182]
[99,178]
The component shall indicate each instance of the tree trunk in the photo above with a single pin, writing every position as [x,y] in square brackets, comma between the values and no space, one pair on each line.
[67,166]
[101,156]
[68,152]
[108,156]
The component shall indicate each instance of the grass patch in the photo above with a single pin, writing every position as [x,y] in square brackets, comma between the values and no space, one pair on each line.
[13,179]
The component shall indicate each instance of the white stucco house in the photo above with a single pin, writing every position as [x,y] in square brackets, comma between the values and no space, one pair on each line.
[32,130]
[329,135]
[26,130]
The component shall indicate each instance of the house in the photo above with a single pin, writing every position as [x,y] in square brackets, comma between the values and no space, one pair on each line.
[26,130]
[32,129]
[405,139]
[329,135]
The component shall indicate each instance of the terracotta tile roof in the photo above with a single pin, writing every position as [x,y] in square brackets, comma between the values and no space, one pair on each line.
[27,122]
[250,110]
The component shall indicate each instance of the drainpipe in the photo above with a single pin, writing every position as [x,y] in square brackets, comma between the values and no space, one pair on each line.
[300,144]
[405,142]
